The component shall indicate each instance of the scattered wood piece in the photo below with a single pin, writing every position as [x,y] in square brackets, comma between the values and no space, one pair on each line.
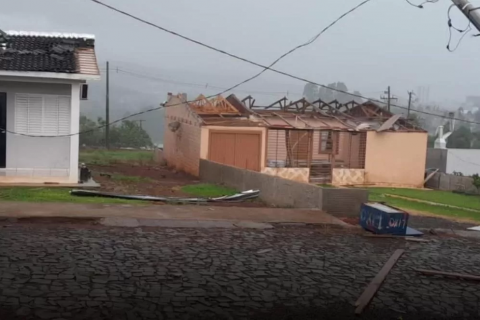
[416,239]
[430,176]
[263,251]
[375,284]
[397,237]
[448,274]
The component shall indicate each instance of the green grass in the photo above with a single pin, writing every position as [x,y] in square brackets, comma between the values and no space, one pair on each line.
[131,179]
[23,194]
[108,157]
[208,190]
[378,194]
[443,197]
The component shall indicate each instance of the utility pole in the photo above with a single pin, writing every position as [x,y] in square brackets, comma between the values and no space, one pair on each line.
[472,13]
[410,93]
[107,110]
[141,123]
[389,98]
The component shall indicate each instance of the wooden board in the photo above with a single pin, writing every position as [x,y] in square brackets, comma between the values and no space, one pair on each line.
[395,237]
[448,274]
[375,284]
[430,176]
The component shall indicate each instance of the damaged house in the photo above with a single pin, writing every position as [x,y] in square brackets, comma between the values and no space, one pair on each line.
[318,142]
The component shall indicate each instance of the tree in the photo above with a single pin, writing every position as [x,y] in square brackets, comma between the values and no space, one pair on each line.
[460,139]
[126,135]
[310,92]
[356,98]
[431,141]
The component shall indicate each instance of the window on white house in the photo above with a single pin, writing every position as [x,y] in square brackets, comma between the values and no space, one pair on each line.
[47,115]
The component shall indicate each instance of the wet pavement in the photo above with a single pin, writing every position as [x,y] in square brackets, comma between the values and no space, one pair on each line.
[417,221]
[289,272]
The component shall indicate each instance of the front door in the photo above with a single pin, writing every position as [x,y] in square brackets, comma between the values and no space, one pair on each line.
[3,127]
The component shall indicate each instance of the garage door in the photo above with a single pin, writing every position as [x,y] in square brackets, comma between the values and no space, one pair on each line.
[236,149]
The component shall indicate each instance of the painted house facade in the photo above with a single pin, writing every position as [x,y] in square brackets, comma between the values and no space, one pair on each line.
[42,76]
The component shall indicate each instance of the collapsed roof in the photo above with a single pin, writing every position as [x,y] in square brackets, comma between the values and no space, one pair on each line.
[300,114]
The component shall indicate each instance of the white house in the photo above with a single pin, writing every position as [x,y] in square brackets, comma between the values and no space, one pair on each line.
[41,79]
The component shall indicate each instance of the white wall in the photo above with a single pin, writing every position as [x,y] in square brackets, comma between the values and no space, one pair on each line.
[49,157]
[466,161]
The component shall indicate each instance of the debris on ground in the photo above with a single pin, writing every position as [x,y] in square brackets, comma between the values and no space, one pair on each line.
[375,284]
[380,218]
[263,251]
[448,274]
[378,236]
[239,197]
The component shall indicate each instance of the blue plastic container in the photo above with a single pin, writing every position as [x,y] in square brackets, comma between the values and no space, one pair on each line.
[382,219]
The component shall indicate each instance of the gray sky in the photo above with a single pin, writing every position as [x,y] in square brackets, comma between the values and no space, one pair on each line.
[386,42]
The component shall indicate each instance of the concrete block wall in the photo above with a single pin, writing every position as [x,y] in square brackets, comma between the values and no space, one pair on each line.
[337,202]
[450,182]
[437,158]
[281,192]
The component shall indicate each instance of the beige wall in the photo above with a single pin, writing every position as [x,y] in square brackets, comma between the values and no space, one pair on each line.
[295,174]
[205,134]
[396,158]
[182,148]
[348,177]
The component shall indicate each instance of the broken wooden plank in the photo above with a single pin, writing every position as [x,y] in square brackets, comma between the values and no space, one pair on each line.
[375,284]
[448,274]
[430,176]
[395,237]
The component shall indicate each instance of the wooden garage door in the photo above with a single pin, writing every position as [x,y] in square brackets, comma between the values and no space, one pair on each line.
[236,149]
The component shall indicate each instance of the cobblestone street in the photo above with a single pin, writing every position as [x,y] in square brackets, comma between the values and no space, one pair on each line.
[91,272]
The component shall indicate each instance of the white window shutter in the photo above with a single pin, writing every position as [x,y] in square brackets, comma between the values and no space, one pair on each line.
[21,113]
[35,114]
[47,115]
[64,110]
[50,116]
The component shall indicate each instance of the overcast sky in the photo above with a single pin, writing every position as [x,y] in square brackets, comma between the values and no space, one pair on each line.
[386,42]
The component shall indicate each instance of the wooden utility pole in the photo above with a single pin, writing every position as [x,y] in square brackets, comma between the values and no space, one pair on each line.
[107,110]
[470,11]
[410,93]
[389,98]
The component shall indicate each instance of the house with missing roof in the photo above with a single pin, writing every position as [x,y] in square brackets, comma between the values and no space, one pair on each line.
[321,143]
[42,79]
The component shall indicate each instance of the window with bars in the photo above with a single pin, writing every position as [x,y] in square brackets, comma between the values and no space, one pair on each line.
[47,115]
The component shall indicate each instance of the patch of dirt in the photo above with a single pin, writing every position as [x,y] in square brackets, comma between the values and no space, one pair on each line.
[159,181]
[352,221]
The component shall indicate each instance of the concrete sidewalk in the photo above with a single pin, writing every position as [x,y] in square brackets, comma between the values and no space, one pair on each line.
[166,212]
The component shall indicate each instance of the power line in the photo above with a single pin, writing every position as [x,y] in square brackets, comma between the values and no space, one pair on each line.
[451,26]
[236,57]
[420,6]
[265,68]
[209,47]
[269,68]
[199,85]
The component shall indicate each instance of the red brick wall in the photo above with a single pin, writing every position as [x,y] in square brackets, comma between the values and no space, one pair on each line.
[182,147]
